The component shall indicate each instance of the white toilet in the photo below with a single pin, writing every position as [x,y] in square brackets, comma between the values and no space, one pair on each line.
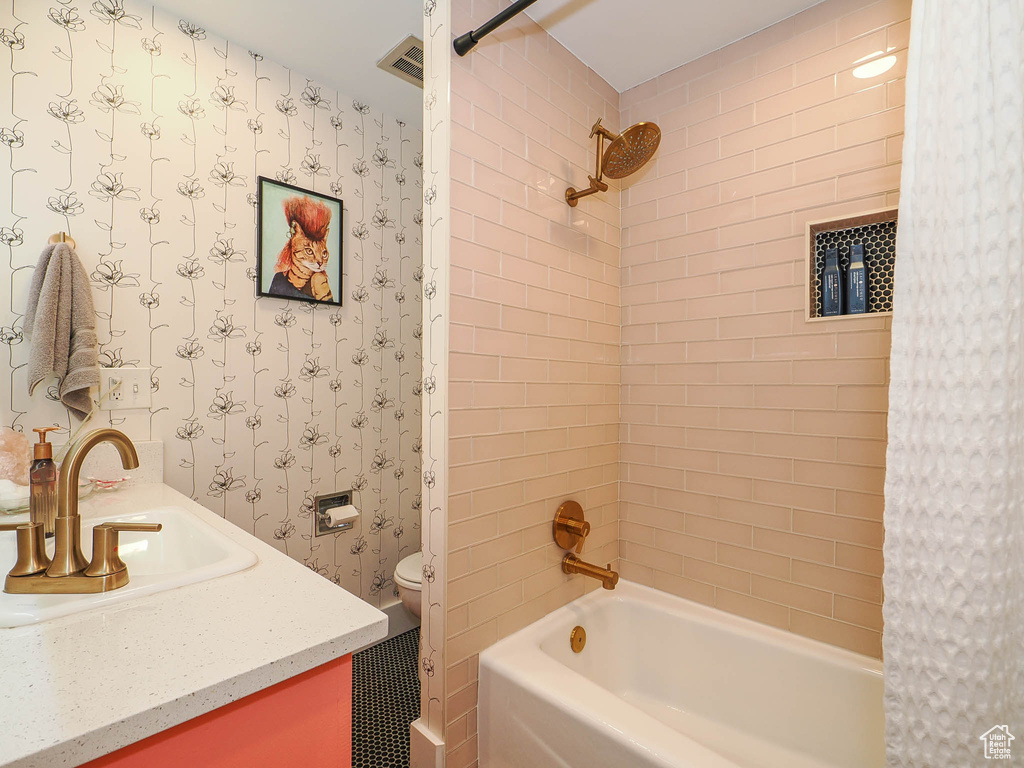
[409,579]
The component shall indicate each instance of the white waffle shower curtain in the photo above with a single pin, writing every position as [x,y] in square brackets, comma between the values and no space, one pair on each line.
[954,513]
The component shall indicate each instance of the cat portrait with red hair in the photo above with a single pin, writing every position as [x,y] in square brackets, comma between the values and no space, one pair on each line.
[302,269]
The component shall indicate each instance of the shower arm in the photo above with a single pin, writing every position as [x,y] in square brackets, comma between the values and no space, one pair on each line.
[572,197]
[463,44]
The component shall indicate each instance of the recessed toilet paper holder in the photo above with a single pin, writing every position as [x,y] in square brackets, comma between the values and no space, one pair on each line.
[327,508]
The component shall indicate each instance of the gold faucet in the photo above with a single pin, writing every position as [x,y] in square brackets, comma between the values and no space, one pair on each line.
[607,577]
[68,572]
[571,530]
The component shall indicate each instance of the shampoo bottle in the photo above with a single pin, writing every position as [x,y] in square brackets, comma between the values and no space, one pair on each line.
[43,484]
[831,285]
[856,282]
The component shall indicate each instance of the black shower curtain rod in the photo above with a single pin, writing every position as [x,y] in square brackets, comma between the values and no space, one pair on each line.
[464,43]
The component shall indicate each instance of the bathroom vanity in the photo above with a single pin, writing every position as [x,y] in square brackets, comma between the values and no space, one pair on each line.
[232,670]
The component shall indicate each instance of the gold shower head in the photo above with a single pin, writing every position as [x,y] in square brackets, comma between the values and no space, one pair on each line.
[627,153]
[631,149]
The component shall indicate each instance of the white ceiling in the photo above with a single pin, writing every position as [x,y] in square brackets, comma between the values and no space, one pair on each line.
[338,42]
[335,42]
[630,41]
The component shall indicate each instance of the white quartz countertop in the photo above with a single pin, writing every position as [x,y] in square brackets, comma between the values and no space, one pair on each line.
[81,686]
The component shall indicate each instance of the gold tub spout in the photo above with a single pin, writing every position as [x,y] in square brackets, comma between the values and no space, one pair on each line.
[607,577]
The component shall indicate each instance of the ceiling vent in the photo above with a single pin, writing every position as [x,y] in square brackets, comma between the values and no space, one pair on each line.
[405,60]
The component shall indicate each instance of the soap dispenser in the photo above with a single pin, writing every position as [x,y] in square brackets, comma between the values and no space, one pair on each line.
[43,483]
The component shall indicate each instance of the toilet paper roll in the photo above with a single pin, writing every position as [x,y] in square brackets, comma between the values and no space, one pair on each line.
[338,515]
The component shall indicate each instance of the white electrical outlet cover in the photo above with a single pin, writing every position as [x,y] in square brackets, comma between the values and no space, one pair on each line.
[125,389]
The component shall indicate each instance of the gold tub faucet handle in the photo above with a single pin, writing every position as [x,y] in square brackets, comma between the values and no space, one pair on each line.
[570,530]
[582,530]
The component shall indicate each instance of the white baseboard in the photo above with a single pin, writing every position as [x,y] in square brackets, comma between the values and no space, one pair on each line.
[426,748]
[400,620]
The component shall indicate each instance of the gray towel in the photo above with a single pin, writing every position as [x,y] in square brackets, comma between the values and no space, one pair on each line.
[61,323]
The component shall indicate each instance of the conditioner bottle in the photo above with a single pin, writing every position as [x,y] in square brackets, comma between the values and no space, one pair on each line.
[856,282]
[831,285]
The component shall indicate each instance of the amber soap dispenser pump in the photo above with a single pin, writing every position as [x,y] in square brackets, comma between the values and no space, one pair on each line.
[43,483]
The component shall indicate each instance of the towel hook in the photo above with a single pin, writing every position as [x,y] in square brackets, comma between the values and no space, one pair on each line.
[62,237]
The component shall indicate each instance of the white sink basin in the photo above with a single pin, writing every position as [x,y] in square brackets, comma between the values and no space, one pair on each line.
[187,551]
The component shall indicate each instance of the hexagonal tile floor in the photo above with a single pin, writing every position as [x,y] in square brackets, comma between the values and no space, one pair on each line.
[386,693]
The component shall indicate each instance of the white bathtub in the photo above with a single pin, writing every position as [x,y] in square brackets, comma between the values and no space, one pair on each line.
[667,683]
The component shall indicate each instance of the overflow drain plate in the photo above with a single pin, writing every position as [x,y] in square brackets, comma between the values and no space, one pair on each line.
[577,639]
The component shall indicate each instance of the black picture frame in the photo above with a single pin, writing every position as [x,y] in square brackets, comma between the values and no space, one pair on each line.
[269,193]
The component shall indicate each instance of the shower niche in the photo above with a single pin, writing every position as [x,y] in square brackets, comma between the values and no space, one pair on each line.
[876,232]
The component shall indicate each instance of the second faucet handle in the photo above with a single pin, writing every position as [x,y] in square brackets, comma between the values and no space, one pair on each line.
[32,557]
[105,560]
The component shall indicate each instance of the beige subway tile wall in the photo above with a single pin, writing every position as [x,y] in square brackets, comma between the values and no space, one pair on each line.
[535,334]
[753,442]
[646,352]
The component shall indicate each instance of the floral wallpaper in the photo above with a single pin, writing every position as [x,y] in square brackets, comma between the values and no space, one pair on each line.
[436,261]
[143,135]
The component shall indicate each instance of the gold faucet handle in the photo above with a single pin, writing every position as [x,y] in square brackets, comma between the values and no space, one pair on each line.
[570,529]
[105,560]
[600,130]
[581,530]
[32,557]
[134,527]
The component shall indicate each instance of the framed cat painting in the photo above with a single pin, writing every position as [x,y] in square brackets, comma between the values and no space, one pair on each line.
[298,244]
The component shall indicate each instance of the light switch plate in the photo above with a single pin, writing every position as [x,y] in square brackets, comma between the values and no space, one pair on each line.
[128,387]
